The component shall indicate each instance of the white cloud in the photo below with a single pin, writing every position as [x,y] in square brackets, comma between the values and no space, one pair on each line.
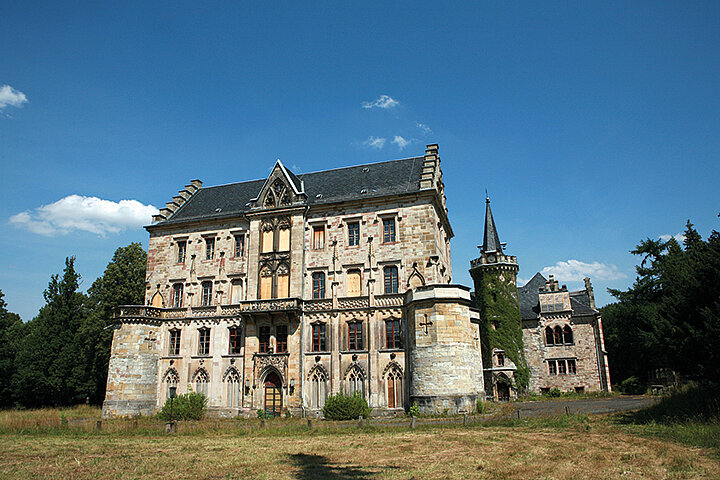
[575,271]
[89,214]
[12,97]
[424,128]
[679,237]
[375,142]
[383,101]
[400,142]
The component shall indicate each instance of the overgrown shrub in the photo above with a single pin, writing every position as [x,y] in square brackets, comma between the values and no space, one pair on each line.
[482,407]
[189,406]
[346,407]
[554,392]
[414,410]
[632,386]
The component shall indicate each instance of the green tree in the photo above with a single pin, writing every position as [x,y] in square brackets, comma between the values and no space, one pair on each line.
[49,369]
[122,283]
[11,333]
[670,316]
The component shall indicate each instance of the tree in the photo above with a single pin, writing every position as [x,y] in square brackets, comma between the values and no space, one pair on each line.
[48,365]
[670,317]
[11,333]
[122,283]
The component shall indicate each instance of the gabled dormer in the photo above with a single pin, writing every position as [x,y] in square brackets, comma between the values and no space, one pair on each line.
[282,189]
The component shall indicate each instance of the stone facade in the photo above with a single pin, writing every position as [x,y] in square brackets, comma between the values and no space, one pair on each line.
[277,293]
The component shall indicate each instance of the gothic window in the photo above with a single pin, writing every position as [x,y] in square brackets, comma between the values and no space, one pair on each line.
[269,200]
[177,295]
[174,346]
[209,248]
[204,341]
[239,250]
[318,388]
[171,380]
[319,341]
[236,291]
[201,381]
[567,335]
[318,288]
[392,333]
[235,346]
[355,336]
[232,388]
[354,382]
[264,338]
[391,279]
[207,293]
[558,334]
[318,240]
[281,193]
[549,336]
[283,281]
[353,234]
[388,230]
[181,249]
[284,237]
[552,367]
[268,238]
[354,288]
[500,360]
[157,300]
[281,338]
[266,279]
[572,366]
[393,382]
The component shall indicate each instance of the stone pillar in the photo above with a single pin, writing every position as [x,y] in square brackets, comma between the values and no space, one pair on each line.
[445,357]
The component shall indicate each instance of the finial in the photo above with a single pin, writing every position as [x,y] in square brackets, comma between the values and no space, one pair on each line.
[487,197]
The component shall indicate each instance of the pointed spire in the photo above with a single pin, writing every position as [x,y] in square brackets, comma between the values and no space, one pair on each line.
[491,242]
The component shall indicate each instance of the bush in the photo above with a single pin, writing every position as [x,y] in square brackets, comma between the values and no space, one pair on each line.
[414,410]
[632,386]
[190,406]
[483,407]
[346,407]
[554,393]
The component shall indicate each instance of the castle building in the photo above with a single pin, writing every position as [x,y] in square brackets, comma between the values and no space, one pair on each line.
[273,294]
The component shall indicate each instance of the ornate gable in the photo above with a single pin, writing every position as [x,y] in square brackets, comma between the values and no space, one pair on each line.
[282,189]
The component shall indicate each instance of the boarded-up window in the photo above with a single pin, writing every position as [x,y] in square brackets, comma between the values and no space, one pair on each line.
[283,282]
[354,288]
[237,292]
[267,240]
[157,300]
[266,283]
[284,239]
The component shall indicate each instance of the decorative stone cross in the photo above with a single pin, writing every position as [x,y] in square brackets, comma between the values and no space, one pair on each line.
[426,324]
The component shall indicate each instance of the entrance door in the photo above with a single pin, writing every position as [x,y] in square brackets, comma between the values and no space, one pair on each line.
[503,391]
[273,394]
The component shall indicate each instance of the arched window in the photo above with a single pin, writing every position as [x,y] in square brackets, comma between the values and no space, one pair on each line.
[266,278]
[157,300]
[171,380]
[391,279]
[201,381]
[567,335]
[394,388]
[354,382]
[549,337]
[318,388]
[318,285]
[354,285]
[558,335]
[283,281]
[232,388]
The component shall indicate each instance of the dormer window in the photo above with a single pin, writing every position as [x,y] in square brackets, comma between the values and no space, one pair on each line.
[554,302]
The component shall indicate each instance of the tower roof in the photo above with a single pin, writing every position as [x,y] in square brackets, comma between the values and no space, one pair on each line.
[491,242]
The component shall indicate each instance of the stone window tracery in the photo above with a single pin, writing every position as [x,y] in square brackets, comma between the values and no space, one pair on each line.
[233,388]
[200,381]
[171,380]
[394,388]
[355,381]
[318,387]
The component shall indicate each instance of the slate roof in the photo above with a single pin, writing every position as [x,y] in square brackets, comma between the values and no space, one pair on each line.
[491,241]
[529,298]
[328,186]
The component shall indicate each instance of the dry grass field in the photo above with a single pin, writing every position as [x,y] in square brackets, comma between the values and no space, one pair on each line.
[569,447]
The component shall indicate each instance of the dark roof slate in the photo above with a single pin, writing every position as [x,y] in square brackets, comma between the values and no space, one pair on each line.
[491,241]
[328,186]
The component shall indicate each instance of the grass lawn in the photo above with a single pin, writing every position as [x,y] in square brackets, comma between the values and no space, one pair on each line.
[574,447]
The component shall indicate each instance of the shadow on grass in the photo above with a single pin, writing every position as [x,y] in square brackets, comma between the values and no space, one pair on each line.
[319,467]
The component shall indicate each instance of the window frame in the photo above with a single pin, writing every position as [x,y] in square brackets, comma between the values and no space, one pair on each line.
[264,339]
[389,231]
[209,248]
[177,299]
[355,335]
[315,244]
[318,290]
[239,245]
[234,340]
[206,299]
[181,251]
[353,236]
[319,337]
[394,283]
[203,341]
[175,335]
[552,367]
[394,334]
[281,339]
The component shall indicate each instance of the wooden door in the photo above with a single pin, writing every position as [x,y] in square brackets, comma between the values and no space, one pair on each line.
[273,395]
[391,391]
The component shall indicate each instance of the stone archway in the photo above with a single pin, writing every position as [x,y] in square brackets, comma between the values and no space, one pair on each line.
[272,394]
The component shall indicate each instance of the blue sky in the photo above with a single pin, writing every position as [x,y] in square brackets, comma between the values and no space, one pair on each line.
[592,125]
